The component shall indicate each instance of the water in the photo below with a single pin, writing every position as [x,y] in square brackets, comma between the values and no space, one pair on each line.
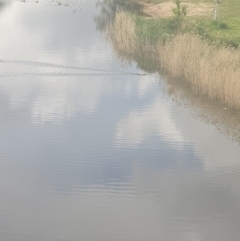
[93,150]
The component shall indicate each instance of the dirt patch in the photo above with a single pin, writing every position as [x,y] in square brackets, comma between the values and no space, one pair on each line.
[164,10]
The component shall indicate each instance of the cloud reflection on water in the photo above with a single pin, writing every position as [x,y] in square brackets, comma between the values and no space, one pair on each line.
[68,167]
[155,118]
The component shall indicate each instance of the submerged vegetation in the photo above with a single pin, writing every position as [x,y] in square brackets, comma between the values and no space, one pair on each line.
[182,51]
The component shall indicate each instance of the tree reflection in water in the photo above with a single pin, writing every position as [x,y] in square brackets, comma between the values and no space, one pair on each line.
[108,8]
[72,4]
[3,5]
[29,1]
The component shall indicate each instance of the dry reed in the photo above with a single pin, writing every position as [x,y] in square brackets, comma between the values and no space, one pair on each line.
[212,71]
[122,33]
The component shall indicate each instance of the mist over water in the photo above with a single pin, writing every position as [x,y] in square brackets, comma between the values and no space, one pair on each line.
[92,149]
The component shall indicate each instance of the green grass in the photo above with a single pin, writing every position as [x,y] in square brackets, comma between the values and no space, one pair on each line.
[226,31]
[157,29]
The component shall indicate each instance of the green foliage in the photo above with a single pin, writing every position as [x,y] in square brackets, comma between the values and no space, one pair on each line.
[226,33]
[159,29]
[154,30]
[180,10]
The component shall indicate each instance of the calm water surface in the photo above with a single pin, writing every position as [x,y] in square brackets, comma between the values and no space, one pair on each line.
[91,151]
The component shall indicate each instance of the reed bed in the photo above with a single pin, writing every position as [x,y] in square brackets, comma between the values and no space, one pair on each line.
[122,33]
[212,71]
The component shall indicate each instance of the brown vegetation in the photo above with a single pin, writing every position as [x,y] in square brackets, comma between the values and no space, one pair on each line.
[212,71]
[122,33]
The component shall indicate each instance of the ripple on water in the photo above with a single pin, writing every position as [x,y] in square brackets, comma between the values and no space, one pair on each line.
[90,149]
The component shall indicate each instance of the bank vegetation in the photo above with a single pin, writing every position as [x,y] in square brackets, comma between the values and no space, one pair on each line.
[182,51]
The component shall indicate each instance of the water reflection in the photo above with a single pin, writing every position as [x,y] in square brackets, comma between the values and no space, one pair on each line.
[109,8]
[3,5]
[29,1]
[102,157]
[226,121]
[143,119]
[72,4]
[154,118]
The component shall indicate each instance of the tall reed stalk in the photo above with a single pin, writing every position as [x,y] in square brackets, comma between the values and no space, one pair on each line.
[122,33]
[212,71]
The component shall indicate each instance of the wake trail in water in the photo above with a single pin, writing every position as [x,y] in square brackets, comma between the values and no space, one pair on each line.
[61,66]
[63,74]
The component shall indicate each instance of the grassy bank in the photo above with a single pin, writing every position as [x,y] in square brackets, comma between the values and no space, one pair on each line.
[226,28]
[211,70]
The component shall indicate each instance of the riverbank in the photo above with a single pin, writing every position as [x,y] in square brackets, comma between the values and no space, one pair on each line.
[164,9]
[225,29]
[211,70]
